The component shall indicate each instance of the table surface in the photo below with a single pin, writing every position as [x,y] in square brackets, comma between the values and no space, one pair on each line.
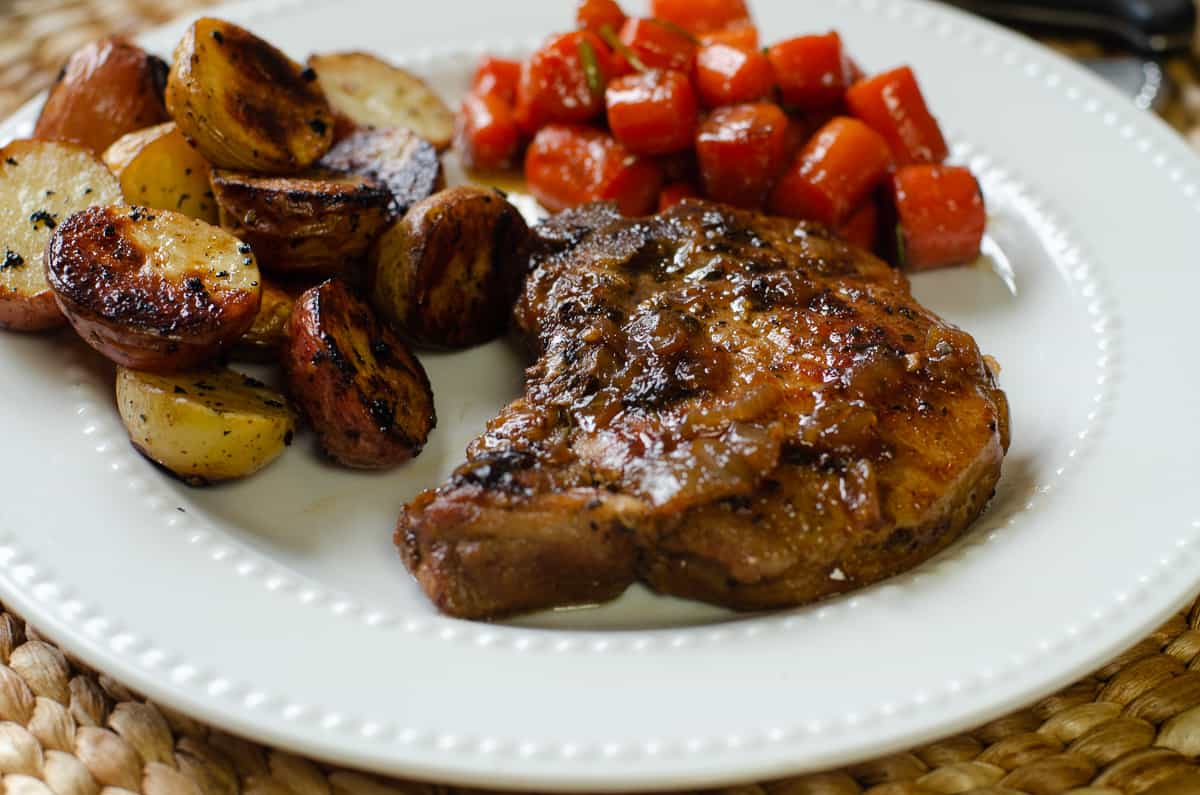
[1132,727]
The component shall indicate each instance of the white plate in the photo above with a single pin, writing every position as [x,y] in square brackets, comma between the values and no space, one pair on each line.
[277,607]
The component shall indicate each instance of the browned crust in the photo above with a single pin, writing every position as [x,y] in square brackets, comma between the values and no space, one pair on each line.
[406,164]
[361,389]
[320,223]
[131,314]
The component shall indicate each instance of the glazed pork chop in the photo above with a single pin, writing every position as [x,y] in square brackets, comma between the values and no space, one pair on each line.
[726,406]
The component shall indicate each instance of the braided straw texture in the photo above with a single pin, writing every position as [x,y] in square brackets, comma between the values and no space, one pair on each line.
[1132,728]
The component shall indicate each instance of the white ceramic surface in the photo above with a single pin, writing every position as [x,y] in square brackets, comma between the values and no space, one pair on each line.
[277,607]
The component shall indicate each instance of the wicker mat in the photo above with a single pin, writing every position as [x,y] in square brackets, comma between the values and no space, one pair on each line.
[1133,727]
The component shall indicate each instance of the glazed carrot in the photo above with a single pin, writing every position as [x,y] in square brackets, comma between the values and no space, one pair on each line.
[741,34]
[741,150]
[940,216]
[833,174]
[569,164]
[563,81]
[596,15]
[675,193]
[497,76]
[728,75]
[862,227]
[652,113]
[659,46]
[812,72]
[487,132]
[892,104]
[701,16]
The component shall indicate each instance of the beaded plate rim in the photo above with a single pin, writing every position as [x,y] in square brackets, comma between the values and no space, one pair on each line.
[32,585]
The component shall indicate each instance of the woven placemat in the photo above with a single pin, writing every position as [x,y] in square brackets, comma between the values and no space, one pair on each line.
[1132,728]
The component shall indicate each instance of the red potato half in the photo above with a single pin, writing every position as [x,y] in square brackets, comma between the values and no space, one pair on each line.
[152,289]
[108,88]
[363,391]
[41,184]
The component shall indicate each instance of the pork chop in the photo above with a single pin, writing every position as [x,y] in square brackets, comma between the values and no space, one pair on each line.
[727,406]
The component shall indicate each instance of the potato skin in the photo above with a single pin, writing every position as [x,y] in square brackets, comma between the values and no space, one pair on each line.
[204,426]
[243,103]
[315,224]
[152,289]
[403,162]
[158,168]
[108,88]
[448,272]
[359,386]
[41,183]
[370,92]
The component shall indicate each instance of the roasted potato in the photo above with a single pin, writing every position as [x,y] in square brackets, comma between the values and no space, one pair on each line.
[319,223]
[107,89]
[372,93]
[447,273]
[265,340]
[41,183]
[406,164]
[158,168]
[359,386]
[244,104]
[152,289]
[204,426]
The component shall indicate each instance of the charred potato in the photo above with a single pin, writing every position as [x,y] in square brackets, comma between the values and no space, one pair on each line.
[319,223]
[41,183]
[158,168]
[204,426]
[244,104]
[107,89]
[265,340]
[403,162]
[152,289]
[362,390]
[448,272]
[372,93]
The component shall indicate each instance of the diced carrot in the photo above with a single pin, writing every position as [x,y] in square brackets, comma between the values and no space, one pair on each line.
[892,104]
[742,149]
[567,165]
[652,113]
[675,193]
[940,216]
[564,81]
[833,174]
[741,34]
[728,75]
[812,72]
[701,16]
[497,76]
[487,132]
[659,46]
[862,227]
[596,15]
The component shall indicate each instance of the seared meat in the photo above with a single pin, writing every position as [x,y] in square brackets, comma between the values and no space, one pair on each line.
[727,406]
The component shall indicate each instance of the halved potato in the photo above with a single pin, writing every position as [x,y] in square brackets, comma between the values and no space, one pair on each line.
[158,168]
[361,388]
[204,426]
[265,340]
[244,103]
[373,93]
[448,272]
[319,223]
[108,88]
[41,183]
[402,161]
[152,289]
